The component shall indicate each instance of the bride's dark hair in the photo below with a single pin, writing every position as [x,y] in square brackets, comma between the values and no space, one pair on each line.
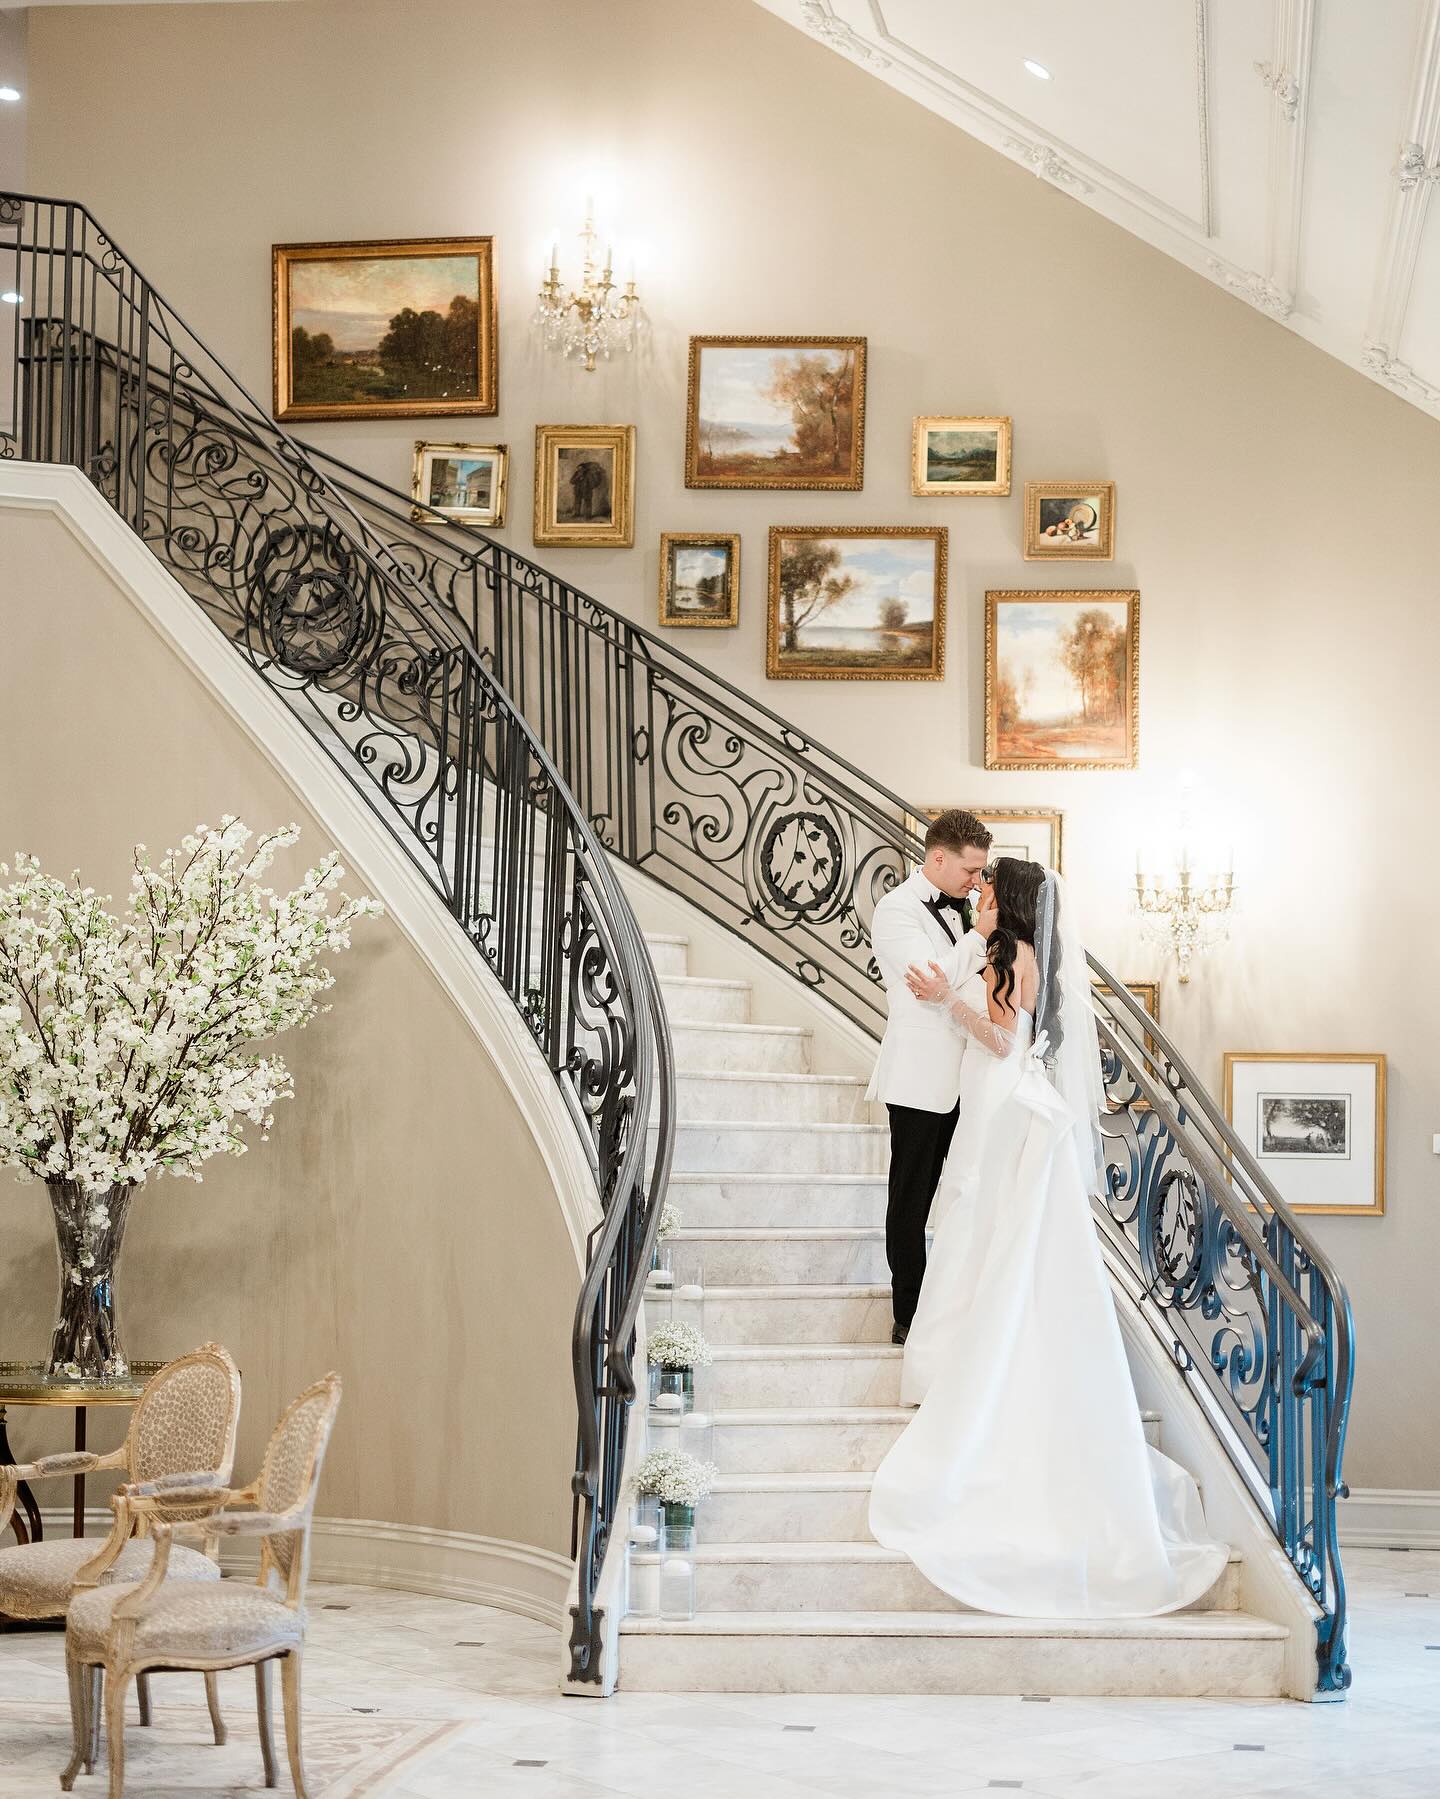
[1017,887]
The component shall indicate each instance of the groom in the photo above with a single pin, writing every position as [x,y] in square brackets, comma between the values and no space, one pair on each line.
[917,1074]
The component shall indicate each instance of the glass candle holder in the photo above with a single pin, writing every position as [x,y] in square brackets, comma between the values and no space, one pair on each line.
[671,1389]
[677,1563]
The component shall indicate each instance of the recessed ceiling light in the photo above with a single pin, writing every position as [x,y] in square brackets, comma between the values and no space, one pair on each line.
[1038,70]
[9,93]
[12,298]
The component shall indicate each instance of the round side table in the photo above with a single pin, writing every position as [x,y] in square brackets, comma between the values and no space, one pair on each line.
[26,1383]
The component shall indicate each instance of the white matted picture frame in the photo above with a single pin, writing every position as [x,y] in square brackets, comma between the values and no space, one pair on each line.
[1315,1123]
[1029,833]
[463,483]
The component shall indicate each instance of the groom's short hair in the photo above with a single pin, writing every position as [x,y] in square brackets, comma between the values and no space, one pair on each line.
[955,829]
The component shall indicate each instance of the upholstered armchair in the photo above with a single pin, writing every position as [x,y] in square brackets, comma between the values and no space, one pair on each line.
[118,1633]
[183,1424]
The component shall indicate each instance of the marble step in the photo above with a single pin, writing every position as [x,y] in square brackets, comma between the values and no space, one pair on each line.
[804,1374]
[759,1255]
[783,1147]
[693,998]
[670,954]
[714,1201]
[792,1439]
[1184,1655]
[724,1096]
[840,1314]
[851,1577]
[788,1508]
[756,1048]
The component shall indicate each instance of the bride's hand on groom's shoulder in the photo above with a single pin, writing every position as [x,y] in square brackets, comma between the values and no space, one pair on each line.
[929,984]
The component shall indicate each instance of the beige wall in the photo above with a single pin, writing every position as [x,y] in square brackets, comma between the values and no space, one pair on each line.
[399,1225]
[1269,499]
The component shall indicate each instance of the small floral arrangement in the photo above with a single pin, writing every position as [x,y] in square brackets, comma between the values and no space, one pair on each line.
[674,1478]
[678,1346]
[670,1222]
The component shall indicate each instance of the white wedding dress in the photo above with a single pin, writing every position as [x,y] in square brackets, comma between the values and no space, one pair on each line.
[1024,1484]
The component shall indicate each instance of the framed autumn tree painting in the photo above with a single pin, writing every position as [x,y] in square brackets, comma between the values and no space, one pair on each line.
[776,412]
[1062,679]
[857,603]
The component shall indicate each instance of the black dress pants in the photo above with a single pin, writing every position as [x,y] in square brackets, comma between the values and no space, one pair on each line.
[919,1143]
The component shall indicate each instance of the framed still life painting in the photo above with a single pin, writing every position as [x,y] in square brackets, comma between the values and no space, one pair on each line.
[1062,679]
[1315,1124]
[699,578]
[1069,521]
[464,483]
[396,328]
[856,603]
[776,412]
[585,485]
[960,456]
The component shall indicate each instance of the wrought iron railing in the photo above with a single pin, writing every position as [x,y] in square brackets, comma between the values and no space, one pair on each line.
[787,843]
[782,839]
[337,620]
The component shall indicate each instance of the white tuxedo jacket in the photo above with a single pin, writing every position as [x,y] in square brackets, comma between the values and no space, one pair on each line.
[921,1052]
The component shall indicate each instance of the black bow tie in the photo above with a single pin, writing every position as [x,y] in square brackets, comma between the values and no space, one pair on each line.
[942,900]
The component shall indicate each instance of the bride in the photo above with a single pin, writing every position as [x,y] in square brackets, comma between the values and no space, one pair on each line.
[1024,1484]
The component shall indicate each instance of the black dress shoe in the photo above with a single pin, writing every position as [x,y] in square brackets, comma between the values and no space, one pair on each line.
[899,1333]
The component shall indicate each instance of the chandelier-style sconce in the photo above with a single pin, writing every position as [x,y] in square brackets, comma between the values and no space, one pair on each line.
[1184,909]
[594,319]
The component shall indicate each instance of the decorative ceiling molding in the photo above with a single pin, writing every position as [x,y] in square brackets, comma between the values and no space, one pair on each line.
[1044,161]
[1294,48]
[1259,290]
[1416,174]
[1283,85]
[833,30]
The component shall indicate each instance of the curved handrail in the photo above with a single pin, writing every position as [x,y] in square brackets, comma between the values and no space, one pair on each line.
[1250,1306]
[108,377]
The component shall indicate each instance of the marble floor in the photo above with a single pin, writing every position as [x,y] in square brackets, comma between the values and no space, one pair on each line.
[415,1698]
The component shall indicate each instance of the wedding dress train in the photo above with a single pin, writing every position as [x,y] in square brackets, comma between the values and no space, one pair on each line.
[1024,1484]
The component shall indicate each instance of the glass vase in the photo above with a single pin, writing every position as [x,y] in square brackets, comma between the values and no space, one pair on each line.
[661,1277]
[643,1599]
[89,1231]
[677,1562]
[671,1389]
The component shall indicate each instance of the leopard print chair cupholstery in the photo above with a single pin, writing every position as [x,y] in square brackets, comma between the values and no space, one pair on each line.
[184,1424]
[114,1634]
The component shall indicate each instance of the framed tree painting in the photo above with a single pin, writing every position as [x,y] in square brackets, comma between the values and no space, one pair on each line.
[699,578]
[395,328]
[776,412]
[464,483]
[1315,1123]
[1062,679]
[1069,521]
[856,603]
[960,456]
[585,485]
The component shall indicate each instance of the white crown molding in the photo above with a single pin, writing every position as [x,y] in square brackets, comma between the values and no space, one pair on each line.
[832,30]
[1416,173]
[1044,161]
[1260,290]
[1287,78]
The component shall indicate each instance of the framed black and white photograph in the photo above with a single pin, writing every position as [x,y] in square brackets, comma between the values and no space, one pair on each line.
[1315,1124]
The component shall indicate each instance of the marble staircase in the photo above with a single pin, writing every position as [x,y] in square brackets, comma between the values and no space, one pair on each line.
[779,1178]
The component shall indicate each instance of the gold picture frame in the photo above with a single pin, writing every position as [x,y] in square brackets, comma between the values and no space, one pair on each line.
[827,401]
[448,493]
[1025,817]
[327,367]
[1069,521]
[1108,719]
[710,606]
[1147,993]
[942,472]
[1286,1130]
[883,644]
[596,463]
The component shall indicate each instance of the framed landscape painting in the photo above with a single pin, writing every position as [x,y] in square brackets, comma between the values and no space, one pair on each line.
[699,578]
[856,603]
[397,328]
[960,456]
[1028,833]
[1062,679]
[1316,1125]
[585,485]
[1069,521]
[776,412]
[461,482]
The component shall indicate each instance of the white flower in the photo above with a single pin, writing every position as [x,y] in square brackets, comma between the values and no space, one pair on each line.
[669,1223]
[674,1477]
[678,1346]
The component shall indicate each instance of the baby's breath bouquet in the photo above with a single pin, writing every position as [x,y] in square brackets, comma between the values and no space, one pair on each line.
[678,1345]
[127,1045]
[674,1478]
